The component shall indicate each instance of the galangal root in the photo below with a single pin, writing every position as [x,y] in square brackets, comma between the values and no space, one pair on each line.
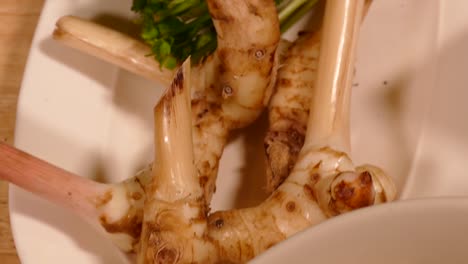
[230,88]
[288,110]
[164,211]
[323,183]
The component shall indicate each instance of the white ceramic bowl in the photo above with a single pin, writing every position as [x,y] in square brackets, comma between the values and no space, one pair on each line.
[426,231]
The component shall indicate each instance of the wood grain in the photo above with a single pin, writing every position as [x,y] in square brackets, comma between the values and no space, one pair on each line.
[18,20]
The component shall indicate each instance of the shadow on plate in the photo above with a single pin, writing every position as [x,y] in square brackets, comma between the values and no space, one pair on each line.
[81,233]
[70,156]
[439,169]
[252,187]
[86,64]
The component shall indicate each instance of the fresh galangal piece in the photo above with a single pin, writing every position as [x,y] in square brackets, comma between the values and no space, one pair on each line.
[288,110]
[323,183]
[230,88]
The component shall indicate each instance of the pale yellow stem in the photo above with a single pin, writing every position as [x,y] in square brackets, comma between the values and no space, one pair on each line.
[174,171]
[328,124]
[111,46]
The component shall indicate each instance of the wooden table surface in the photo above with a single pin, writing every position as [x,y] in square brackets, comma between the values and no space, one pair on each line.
[18,19]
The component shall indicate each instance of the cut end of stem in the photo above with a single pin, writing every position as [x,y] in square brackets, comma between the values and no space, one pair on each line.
[111,46]
[175,172]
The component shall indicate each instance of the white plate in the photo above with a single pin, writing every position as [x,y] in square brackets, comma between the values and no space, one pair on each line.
[94,119]
[429,231]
